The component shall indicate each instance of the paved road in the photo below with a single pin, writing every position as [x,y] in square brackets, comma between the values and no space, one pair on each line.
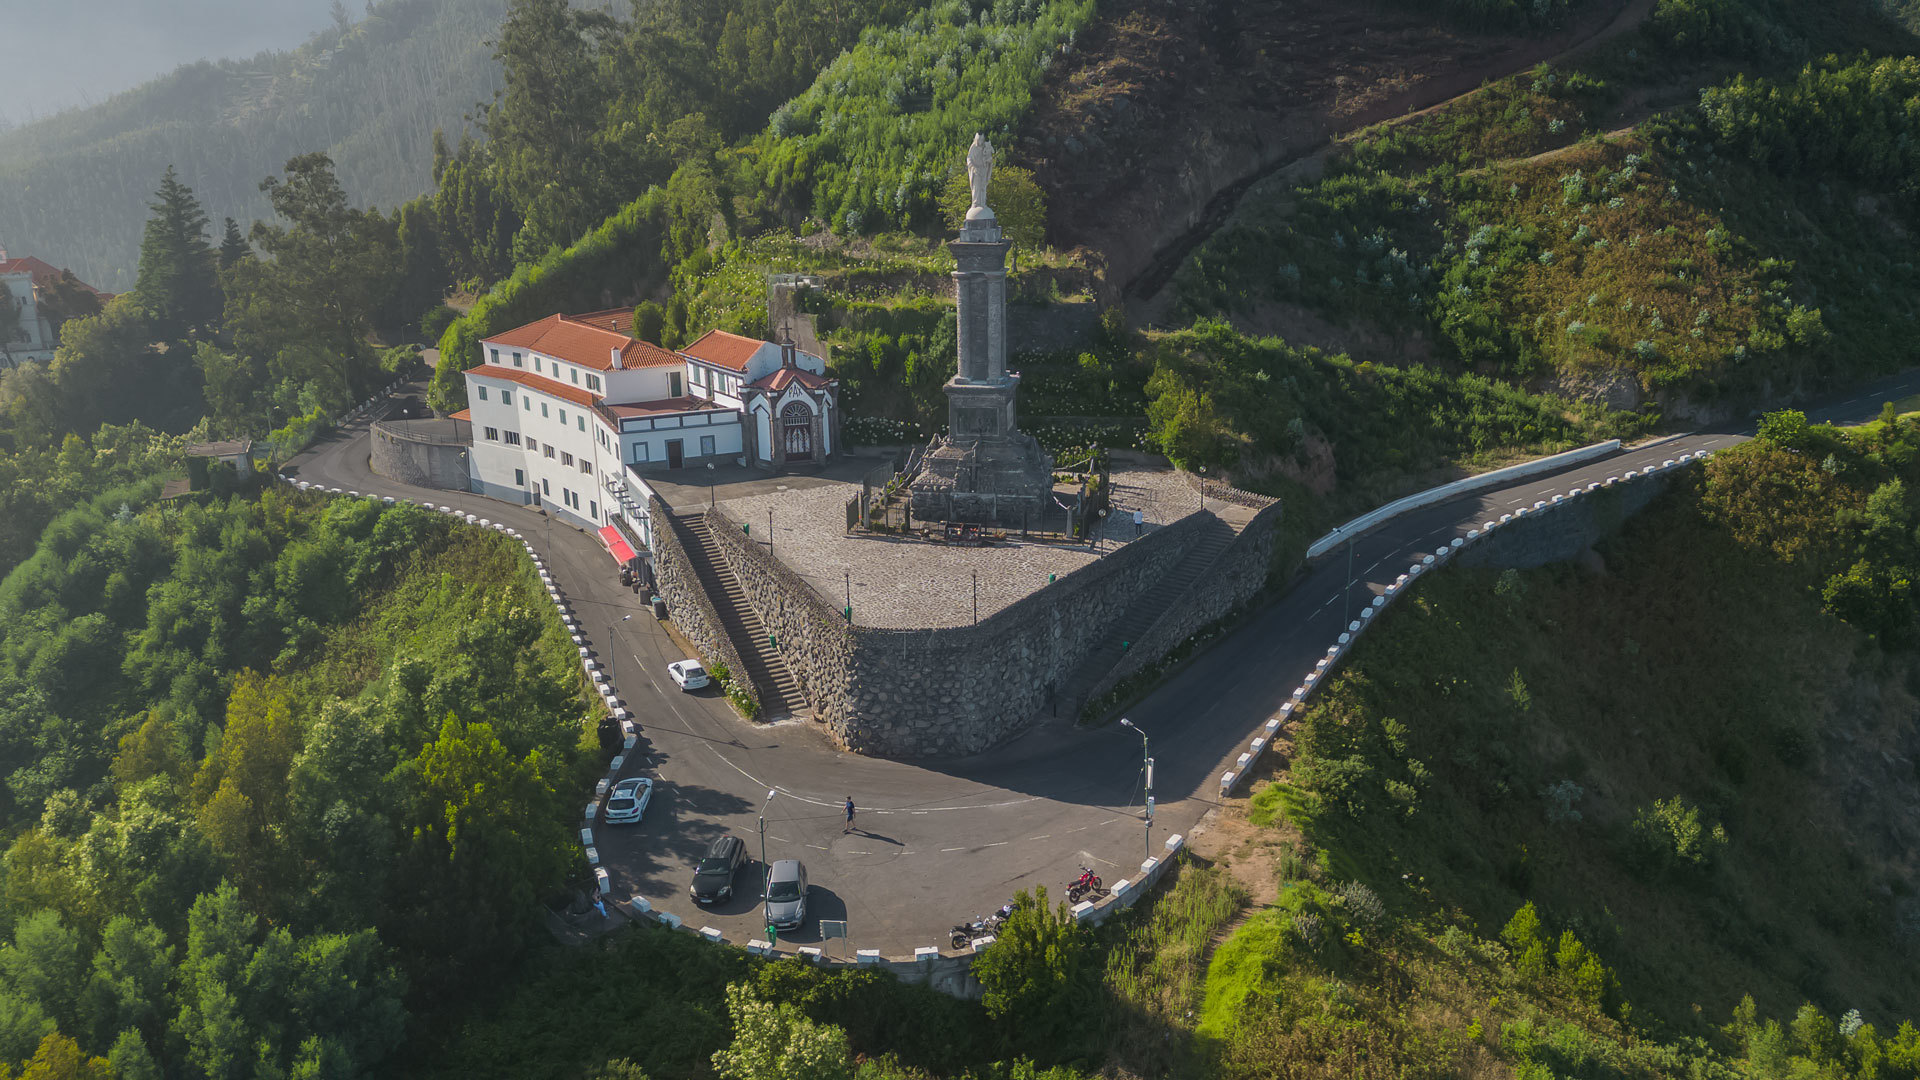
[938,841]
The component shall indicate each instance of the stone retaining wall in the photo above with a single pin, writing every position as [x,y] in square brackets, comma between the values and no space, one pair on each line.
[1562,530]
[417,460]
[688,604]
[1239,572]
[952,690]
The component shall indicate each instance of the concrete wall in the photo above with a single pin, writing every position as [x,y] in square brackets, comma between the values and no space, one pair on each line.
[687,602]
[1562,530]
[417,460]
[953,690]
[1238,573]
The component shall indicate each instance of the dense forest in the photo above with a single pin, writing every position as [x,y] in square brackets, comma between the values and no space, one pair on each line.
[369,92]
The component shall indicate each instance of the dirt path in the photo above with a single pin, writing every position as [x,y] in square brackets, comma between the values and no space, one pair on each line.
[1146,289]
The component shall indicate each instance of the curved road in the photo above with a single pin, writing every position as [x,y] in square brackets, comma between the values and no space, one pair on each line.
[938,841]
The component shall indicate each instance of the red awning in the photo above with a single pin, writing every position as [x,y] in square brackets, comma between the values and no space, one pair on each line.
[617,545]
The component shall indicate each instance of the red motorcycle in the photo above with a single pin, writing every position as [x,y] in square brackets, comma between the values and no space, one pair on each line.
[1088,882]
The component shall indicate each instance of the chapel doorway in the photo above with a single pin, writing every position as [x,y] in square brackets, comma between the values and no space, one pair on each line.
[797,421]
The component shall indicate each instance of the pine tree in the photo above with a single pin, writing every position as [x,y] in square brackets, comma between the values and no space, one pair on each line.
[177,287]
[234,246]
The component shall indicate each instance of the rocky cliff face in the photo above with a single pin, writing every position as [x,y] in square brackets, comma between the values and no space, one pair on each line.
[1148,127]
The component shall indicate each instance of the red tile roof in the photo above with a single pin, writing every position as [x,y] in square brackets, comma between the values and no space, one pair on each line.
[42,272]
[781,378]
[463,414]
[619,320]
[721,349]
[566,337]
[537,382]
[662,407]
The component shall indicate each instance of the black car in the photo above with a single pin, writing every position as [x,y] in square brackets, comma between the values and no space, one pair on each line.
[713,878]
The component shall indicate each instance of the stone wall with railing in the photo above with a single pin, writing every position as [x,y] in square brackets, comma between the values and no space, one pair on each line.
[949,690]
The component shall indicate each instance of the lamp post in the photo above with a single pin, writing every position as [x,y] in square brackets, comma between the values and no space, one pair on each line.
[710,495]
[849,611]
[1146,773]
[976,598]
[766,870]
[769,532]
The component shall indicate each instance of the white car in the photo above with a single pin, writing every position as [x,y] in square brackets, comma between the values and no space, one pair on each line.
[688,674]
[628,800]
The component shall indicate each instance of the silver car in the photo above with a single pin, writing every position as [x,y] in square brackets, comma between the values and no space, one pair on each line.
[787,895]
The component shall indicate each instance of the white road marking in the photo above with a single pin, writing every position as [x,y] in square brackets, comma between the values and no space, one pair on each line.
[1042,836]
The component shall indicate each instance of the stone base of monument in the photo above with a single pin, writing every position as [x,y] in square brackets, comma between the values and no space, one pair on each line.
[1005,481]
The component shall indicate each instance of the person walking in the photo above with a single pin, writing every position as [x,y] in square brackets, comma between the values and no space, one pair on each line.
[849,827]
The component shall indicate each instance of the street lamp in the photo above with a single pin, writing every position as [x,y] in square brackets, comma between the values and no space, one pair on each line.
[1146,772]
[710,495]
[766,870]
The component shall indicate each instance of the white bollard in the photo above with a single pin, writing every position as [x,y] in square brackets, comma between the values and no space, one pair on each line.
[980,943]
[593,811]
[1146,869]
[639,905]
[811,953]
[1272,726]
[669,920]
[1353,627]
[867,956]
[927,952]
[1083,911]
[1460,542]
[712,934]
[601,879]
[593,856]
[1367,614]
[1243,761]
[1259,744]
[586,837]
[1174,844]
[1226,783]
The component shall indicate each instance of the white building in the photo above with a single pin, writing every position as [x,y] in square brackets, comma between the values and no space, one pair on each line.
[23,284]
[563,408]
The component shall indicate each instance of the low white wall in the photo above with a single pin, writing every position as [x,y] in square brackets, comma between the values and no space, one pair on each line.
[1263,737]
[1497,478]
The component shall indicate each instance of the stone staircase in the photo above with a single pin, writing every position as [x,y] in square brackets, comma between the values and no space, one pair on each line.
[1215,534]
[780,692]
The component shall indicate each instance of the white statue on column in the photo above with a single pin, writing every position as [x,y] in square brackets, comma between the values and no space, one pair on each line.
[979,173]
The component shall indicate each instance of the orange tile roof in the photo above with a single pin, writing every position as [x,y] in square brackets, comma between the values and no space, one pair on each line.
[43,272]
[590,345]
[781,378]
[463,414]
[537,382]
[721,349]
[619,320]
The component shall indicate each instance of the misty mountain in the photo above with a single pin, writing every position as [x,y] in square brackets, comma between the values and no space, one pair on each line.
[74,186]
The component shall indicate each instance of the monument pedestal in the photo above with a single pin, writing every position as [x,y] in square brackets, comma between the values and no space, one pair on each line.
[985,470]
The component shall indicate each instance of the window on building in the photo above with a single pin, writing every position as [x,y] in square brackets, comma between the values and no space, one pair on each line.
[586,466]
[573,373]
[566,458]
[519,478]
[531,444]
[482,391]
[580,422]
[536,363]
[543,409]
[546,488]
[512,438]
[516,360]
[593,382]
[495,358]
[639,453]
[706,445]
[506,397]
[493,434]
[563,417]
[673,384]
[549,449]
[526,402]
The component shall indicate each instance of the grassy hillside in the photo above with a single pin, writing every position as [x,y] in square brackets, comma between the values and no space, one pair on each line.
[1677,753]
[74,186]
[1745,240]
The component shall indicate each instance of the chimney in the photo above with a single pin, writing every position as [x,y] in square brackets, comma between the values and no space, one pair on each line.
[616,359]
[786,348]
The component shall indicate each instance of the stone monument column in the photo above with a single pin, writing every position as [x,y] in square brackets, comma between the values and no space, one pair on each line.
[985,469]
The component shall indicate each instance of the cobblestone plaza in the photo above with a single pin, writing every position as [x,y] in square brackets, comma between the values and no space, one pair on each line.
[906,583]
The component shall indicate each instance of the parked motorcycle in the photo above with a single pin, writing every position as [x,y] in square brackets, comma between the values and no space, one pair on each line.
[984,926]
[1087,883]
